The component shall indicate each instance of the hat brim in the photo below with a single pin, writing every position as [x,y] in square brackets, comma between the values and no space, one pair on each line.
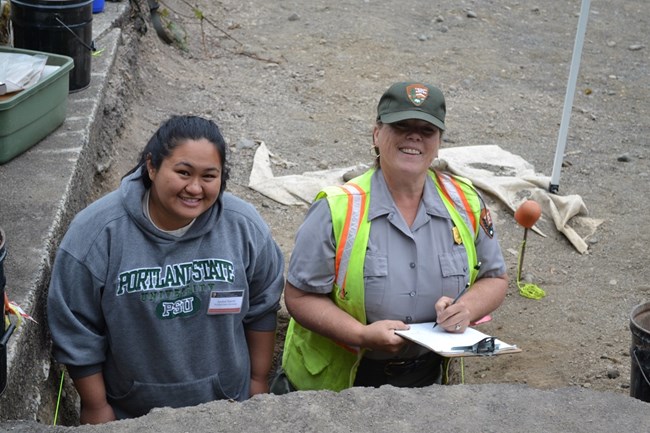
[411,114]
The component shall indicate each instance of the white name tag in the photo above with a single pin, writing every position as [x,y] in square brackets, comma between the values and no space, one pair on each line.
[225,302]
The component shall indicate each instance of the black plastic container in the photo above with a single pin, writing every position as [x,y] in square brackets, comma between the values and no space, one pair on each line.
[640,352]
[59,27]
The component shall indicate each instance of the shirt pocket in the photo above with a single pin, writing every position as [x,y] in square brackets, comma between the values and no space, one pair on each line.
[375,272]
[453,270]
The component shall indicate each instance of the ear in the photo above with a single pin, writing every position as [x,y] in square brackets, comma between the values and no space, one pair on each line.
[375,135]
[151,171]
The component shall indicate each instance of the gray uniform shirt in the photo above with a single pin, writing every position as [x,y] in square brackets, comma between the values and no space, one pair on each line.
[407,269]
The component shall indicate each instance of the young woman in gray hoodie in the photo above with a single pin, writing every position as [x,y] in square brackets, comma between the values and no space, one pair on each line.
[165,291]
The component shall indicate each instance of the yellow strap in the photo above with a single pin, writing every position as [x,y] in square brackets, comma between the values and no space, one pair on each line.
[58,398]
[527,290]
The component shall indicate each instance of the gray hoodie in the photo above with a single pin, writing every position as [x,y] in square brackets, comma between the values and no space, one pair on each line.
[163,317]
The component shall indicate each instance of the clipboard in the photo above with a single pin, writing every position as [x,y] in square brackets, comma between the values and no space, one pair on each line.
[470,343]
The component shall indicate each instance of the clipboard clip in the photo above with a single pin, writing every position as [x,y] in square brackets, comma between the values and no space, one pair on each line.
[486,346]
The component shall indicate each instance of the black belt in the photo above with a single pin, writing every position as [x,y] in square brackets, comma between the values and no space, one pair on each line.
[398,367]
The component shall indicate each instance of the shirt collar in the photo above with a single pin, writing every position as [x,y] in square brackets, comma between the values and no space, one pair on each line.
[382,203]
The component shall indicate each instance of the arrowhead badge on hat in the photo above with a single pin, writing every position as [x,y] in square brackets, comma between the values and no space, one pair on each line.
[417,93]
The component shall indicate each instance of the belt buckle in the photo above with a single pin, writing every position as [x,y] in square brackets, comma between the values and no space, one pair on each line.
[391,364]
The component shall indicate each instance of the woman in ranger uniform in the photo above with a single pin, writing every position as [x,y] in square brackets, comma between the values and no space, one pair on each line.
[391,247]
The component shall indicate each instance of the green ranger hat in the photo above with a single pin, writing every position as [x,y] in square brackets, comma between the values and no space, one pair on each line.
[411,100]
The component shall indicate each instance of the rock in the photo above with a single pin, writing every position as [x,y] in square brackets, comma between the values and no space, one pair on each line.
[245,143]
[528,278]
[624,158]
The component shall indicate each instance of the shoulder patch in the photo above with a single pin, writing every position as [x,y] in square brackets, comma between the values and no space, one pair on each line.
[486,223]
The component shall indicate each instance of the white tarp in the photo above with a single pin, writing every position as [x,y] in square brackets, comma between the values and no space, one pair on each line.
[505,176]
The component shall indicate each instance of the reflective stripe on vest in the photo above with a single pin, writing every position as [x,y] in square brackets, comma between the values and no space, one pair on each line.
[355,211]
[453,192]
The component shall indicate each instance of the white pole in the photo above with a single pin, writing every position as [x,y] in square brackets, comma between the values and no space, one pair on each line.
[568,99]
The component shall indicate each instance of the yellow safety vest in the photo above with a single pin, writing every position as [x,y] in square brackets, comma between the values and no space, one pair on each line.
[314,362]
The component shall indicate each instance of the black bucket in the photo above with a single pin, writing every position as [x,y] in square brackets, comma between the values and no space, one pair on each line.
[3,343]
[640,352]
[57,26]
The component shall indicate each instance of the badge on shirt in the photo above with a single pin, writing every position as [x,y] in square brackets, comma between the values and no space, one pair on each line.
[225,302]
[456,234]
[486,222]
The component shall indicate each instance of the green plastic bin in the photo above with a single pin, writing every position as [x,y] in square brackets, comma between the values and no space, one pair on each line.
[28,116]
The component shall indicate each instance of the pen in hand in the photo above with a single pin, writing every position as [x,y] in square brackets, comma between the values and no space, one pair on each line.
[462,292]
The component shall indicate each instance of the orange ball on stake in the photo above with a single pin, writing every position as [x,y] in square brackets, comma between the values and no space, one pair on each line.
[528,213]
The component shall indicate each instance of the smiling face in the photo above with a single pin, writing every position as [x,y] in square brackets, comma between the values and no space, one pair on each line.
[187,184]
[407,147]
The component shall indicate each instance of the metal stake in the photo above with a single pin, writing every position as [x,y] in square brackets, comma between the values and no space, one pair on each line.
[568,99]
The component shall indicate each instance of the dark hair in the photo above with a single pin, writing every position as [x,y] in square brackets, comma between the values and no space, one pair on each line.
[174,132]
